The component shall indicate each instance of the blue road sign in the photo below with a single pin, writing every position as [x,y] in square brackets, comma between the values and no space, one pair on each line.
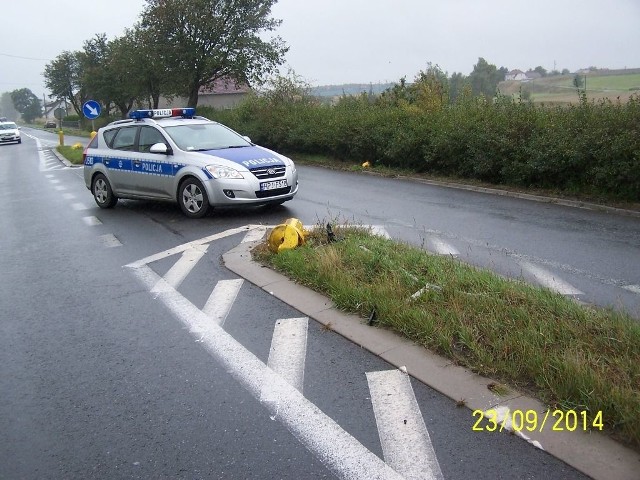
[91,109]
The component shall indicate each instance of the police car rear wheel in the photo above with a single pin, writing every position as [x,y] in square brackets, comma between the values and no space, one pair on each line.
[192,198]
[102,192]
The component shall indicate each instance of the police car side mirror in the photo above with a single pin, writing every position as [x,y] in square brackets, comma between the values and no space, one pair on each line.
[160,148]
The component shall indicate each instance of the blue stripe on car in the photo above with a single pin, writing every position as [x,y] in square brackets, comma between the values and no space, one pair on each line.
[249,157]
[136,166]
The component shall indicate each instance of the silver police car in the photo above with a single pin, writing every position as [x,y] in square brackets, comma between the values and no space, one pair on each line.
[174,155]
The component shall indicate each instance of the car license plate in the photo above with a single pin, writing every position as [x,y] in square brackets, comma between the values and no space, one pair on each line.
[273,185]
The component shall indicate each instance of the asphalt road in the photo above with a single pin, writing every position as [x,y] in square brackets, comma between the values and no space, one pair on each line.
[102,375]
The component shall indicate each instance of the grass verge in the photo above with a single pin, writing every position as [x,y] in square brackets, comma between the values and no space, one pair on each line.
[571,357]
[74,155]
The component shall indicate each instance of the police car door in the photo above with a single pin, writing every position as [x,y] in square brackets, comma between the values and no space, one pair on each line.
[153,172]
[119,163]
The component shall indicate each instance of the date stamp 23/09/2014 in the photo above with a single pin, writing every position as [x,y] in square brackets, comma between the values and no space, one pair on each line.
[534,421]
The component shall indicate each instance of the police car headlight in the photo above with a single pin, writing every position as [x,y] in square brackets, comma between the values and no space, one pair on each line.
[289,163]
[219,171]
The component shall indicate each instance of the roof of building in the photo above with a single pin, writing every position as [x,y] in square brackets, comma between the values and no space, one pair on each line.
[224,86]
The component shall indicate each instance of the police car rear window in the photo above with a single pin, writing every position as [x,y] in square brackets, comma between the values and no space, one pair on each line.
[125,139]
[108,136]
[93,143]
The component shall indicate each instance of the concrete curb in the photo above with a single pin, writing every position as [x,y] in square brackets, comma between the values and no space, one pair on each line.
[592,453]
[64,160]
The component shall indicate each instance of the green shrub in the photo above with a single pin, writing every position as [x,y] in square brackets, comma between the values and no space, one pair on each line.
[591,148]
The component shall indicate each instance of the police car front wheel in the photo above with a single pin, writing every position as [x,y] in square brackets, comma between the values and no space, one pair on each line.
[102,192]
[192,198]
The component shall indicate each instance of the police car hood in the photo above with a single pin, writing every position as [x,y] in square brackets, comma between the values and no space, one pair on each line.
[248,157]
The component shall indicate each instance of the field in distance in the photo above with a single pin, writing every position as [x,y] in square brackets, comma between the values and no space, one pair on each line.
[614,85]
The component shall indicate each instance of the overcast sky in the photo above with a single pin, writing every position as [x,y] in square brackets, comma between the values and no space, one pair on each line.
[360,41]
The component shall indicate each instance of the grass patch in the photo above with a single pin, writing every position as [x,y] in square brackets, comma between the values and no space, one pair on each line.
[74,155]
[572,357]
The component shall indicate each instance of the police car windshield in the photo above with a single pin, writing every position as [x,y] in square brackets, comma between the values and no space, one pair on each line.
[205,136]
[8,126]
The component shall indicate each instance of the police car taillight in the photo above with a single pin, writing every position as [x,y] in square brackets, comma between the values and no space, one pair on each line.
[163,113]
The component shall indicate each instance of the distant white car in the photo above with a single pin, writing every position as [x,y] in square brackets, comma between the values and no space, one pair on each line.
[9,132]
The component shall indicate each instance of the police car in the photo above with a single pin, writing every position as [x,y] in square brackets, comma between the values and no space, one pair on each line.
[174,155]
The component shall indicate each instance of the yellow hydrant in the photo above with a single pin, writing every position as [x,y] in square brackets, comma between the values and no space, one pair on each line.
[287,235]
[61,137]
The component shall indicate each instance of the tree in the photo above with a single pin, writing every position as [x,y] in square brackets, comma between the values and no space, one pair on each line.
[485,78]
[136,56]
[125,82]
[199,41]
[26,102]
[541,70]
[7,109]
[430,89]
[64,78]
[96,77]
[578,81]
[457,84]
[396,95]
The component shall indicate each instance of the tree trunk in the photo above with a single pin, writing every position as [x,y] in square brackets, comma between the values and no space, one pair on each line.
[193,95]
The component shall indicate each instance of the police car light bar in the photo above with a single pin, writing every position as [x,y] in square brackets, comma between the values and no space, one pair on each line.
[163,113]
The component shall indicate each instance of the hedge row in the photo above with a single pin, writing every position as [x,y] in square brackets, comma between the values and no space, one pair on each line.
[590,148]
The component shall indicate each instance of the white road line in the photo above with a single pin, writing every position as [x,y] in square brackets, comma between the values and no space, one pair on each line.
[221,299]
[68,196]
[406,443]
[59,188]
[254,235]
[179,271]
[53,181]
[110,241]
[195,243]
[79,206]
[633,288]
[443,248]
[335,448]
[503,418]
[380,231]
[287,355]
[49,175]
[41,158]
[91,221]
[549,280]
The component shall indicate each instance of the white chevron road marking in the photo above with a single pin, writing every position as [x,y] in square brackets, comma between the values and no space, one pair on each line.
[287,354]
[340,452]
[549,280]
[221,299]
[400,425]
